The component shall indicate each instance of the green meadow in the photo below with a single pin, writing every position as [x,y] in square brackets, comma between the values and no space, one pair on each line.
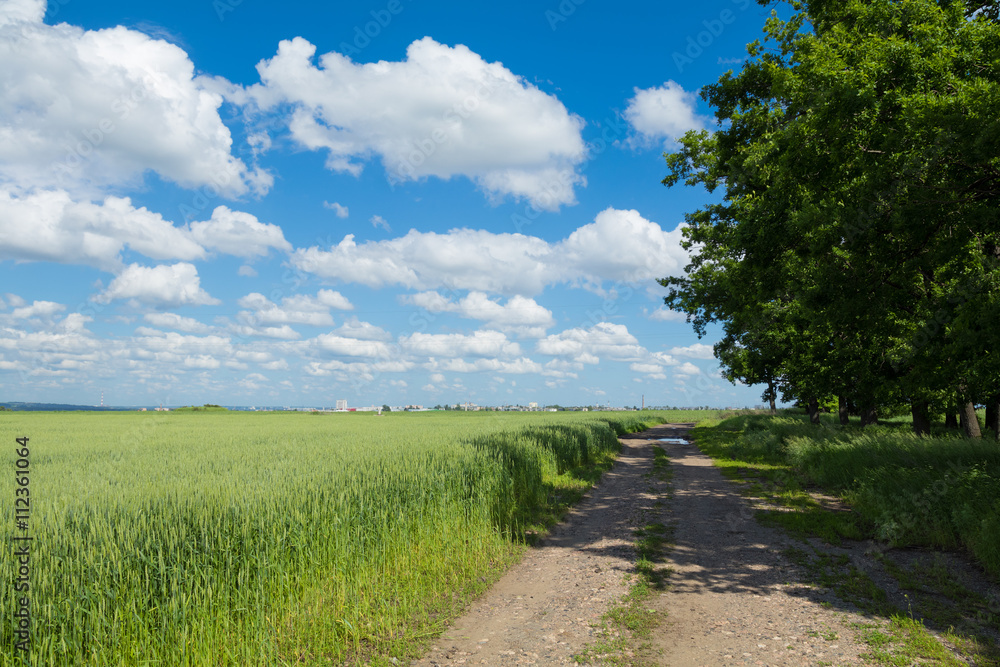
[281,538]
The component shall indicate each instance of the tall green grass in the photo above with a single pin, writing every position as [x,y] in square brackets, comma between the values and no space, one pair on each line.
[269,539]
[942,491]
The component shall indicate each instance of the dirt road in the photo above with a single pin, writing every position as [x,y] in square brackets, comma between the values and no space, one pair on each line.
[733,598]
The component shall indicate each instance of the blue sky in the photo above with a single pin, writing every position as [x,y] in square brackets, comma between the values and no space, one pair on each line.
[397,201]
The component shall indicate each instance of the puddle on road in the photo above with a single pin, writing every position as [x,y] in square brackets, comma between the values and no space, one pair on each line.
[673,441]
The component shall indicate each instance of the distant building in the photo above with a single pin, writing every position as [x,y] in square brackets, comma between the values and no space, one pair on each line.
[342,404]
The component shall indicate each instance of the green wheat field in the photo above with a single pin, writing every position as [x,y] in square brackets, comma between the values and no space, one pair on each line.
[224,538]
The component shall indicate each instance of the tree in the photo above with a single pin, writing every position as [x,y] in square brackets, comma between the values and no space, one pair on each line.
[857,158]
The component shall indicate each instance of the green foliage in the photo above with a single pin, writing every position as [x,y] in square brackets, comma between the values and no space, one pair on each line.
[273,538]
[855,250]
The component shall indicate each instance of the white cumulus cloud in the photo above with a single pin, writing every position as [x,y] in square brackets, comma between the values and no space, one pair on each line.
[379,222]
[663,113]
[462,258]
[515,366]
[620,245]
[354,328]
[296,309]
[84,109]
[202,362]
[443,112]
[340,210]
[520,315]
[43,309]
[666,315]
[604,339]
[172,343]
[165,285]
[695,351]
[282,332]
[479,343]
[178,322]
[353,347]
[22,11]
[48,225]
[687,369]
[238,233]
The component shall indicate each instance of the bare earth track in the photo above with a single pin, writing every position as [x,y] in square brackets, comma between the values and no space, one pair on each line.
[542,611]
[733,598]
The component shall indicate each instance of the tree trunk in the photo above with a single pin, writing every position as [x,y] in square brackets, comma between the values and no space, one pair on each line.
[950,420]
[921,417]
[814,411]
[842,408]
[771,393]
[869,415]
[970,421]
[993,415]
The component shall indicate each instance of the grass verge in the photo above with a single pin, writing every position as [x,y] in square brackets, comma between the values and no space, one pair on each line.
[840,484]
